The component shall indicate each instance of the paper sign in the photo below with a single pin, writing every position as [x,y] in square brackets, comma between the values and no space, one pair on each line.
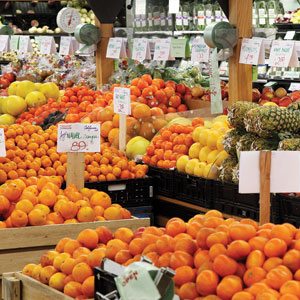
[291,74]
[270,83]
[116,48]
[122,101]
[178,48]
[66,45]
[215,84]
[162,50]
[289,35]
[141,50]
[4,45]
[173,6]
[2,143]
[47,45]
[285,172]
[14,43]
[78,137]
[283,54]
[140,7]
[200,51]
[252,52]
[295,86]
[25,44]
[133,284]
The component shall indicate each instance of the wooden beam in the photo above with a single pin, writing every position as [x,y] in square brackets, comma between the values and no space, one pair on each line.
[104,66]
[240,76]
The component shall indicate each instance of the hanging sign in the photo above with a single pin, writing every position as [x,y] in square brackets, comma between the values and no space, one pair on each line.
[200,51]
[141,50]
[116,48]
[178,48]
[162,50]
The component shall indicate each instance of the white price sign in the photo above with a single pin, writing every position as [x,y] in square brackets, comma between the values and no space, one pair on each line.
[2,143]
[141,50]
[140,7]
[173,6]
[295,86]
[66,45]
[25,44]
[122,101]
[200,51]
[4,43]
[14,42]
[47,45]
[252,52]
[116,48]
[162,50]
[78,137]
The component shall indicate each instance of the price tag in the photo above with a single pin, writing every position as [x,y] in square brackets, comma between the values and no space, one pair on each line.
[178,48]
[291,74]
[173,6]
[252,52]
[66,45]
[122,101]
[290,35]
[78,137]
[141,50]
[2,143]
[295,86]
[162,50]
[140,7]
[116,48]
[4,43]
[270,83]
[47,45]
[200,51]
[14,42]
[25,44]
[283,54]
[215,84]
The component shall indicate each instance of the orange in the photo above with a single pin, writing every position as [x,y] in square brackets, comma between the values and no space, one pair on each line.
[238,249]
[216,250]
[86,214]
[242,232]
[57,281]
[183,275]
[113,247]
[67,209]
[104,234]
[275,247]
[278,276]
[207,282]
[253,275]
[25,206]
[124,234]
[164,260]
[88,238]
[181,258]
[256,258]
[95,257]
[81,271]
[136,246]
[73,289]
[272,263]
[46,273]
[44,208]
[216,238]
[88,287]
[19,218]
[55,217]
[292,260]
[291,287]
[258,243]
[229,286]
[4,204]
[288,297]
[187,245]
[223,265]
[202,235]
[122,256]
[243,296]
[101,199]
[175,227]
[28,269]
[71,245]
[81,251]
[282,232]
[200,257]
[47,197]
[113,213]
[68,265]
[188,291]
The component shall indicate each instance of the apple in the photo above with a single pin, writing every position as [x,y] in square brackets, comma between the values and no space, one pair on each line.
[224,93]
[295,96]
[9,76]
[267,89]
[187,97]
[285,101]
[276,100]
[197,92]
[4,83]
[280,92]
[267,96]
[180,88]
[256,95]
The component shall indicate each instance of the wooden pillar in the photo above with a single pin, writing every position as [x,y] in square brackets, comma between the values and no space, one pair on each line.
[240,76]
[104,66]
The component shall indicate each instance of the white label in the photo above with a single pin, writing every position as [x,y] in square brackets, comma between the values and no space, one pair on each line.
[138,22]
[122,101]
[141,50]
[200,51]
[14,42]
[252,52]
[179,19]
[156,16]
[262,16]
[2,143]
[24,44]
[162,19]
[173,6]
[150,20]
[185,17]
[144,20]
[285,172]
[162,49]
[272,16]
[66,45]
[295,86]
[140,7]
[4,43]
[289,35]
[283,54]
[201,17]
[169,17]
[78,137]
[47,45]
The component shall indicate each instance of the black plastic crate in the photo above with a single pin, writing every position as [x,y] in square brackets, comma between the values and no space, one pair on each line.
[104,282]
[129,192]
[142,212]
[290,206]
[195,190]
[292,220]
[164,181]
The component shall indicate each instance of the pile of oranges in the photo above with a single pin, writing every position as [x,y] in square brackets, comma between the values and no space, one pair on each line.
[31,152]
[170,144]
[37,202]
[213,258]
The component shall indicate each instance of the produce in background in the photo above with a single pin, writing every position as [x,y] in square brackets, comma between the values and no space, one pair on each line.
[6,79]
[212,257]
[36,202]
[31,151]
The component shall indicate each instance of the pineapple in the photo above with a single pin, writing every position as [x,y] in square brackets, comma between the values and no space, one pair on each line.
[263,144]
[237,111]
[230,140]
[226,169]
[290,145]
[245,142]
[236,174]
[294,106]
[268,121]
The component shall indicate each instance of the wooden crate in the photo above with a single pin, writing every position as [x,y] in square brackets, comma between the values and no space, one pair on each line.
[16,286]
[20,246]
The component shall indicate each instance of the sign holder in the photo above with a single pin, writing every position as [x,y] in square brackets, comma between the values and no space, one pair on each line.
[75,169]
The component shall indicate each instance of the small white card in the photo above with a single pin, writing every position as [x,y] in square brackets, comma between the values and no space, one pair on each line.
[162,50]
[78,137]
[47,45]
[200,51]
[66,45]
[140,7]
[141,50]
[283,54]
[25,44]
[122,103]
[116,48]
[4,44]
[295,86]
[2,143]
[252,52]
[285,172]
[14,42]
[290,35]
[174,6]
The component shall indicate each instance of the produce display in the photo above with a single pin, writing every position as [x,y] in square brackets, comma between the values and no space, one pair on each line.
[36,202]
[212,257]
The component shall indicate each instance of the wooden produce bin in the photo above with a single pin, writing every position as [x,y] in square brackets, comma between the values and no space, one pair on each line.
[20,246]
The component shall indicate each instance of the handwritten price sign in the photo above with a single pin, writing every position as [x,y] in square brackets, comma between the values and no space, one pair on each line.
[200,51]
[162,50]
[78,137]
[251,52]
[116,48]
[283,54]
[141,50]
[122,101]
[2,143]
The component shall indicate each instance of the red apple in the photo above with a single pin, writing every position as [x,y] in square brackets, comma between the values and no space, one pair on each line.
[187,97]
[255,95]
[295,96]
[267,89]
[276,100]
[180,88]
[267,96]
[285,101]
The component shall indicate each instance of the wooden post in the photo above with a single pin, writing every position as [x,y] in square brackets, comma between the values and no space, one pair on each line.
[122,132]
[104,66]
[240,76]
[75,169]
[264,197]
[11,288]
